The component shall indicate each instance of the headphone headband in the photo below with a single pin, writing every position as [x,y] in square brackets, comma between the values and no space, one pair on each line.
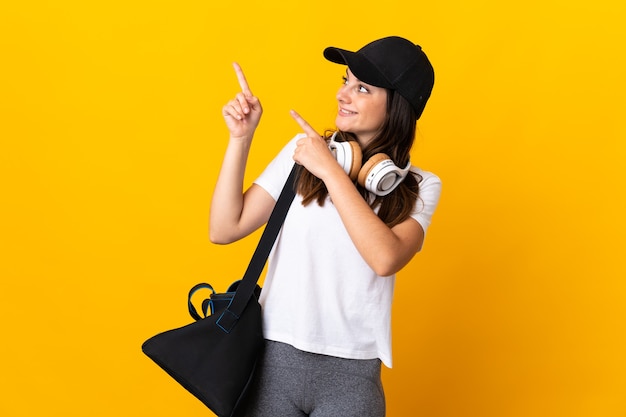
[379,174]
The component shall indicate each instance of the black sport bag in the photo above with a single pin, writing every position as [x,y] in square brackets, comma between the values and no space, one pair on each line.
[214,358]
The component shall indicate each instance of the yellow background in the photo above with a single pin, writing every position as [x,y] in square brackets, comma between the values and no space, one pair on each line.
[111,139]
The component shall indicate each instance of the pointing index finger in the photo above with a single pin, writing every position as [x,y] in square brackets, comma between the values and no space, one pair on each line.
[243,83]
[308,129]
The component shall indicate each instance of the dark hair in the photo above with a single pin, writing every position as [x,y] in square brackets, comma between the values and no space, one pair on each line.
[395,139]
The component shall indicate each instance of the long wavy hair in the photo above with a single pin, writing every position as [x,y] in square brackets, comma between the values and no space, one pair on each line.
[395,139]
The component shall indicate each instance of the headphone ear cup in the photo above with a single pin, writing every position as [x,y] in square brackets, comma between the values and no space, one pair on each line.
[380,175]
[349,156]
[369,166]
[357,159]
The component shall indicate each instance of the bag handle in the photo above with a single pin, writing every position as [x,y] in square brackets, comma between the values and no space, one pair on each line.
[231,314]
[206,304]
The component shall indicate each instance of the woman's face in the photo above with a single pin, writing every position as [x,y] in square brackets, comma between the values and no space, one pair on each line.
[362,108]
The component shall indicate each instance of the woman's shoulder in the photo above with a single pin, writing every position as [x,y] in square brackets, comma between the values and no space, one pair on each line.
[428,199]
[425,177]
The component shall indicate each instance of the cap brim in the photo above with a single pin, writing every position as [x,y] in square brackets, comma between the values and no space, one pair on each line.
[337,55]
[363,69]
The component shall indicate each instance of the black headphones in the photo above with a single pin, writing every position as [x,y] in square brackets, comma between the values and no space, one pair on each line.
[378,175]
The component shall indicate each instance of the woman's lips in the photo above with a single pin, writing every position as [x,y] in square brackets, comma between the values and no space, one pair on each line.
[345,112]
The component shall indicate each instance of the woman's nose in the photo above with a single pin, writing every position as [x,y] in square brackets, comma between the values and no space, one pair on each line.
[342,95]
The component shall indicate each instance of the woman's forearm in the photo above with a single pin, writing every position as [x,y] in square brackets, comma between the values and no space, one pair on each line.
[386,250]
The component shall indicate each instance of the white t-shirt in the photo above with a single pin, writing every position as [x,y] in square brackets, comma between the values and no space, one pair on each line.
[319,295]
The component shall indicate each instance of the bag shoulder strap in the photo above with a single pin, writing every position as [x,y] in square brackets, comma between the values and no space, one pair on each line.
[247,285]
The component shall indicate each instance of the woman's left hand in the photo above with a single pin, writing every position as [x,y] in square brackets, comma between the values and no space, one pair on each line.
[313,153]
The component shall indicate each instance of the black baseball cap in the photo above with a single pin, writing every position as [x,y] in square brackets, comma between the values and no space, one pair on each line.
[394,63]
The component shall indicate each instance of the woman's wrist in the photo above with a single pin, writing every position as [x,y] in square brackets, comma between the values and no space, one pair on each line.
[240,140]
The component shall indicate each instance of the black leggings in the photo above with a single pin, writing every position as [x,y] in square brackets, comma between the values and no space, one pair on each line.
[293,383]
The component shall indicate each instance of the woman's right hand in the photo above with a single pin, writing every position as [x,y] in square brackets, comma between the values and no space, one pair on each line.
[243,113]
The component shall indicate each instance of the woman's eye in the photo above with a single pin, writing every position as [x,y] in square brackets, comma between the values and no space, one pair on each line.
[360,88]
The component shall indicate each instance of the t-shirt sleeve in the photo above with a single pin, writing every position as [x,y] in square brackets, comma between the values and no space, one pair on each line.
[274,176]
[429,192]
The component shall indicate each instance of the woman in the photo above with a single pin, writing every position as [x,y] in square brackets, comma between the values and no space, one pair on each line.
[327,293]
